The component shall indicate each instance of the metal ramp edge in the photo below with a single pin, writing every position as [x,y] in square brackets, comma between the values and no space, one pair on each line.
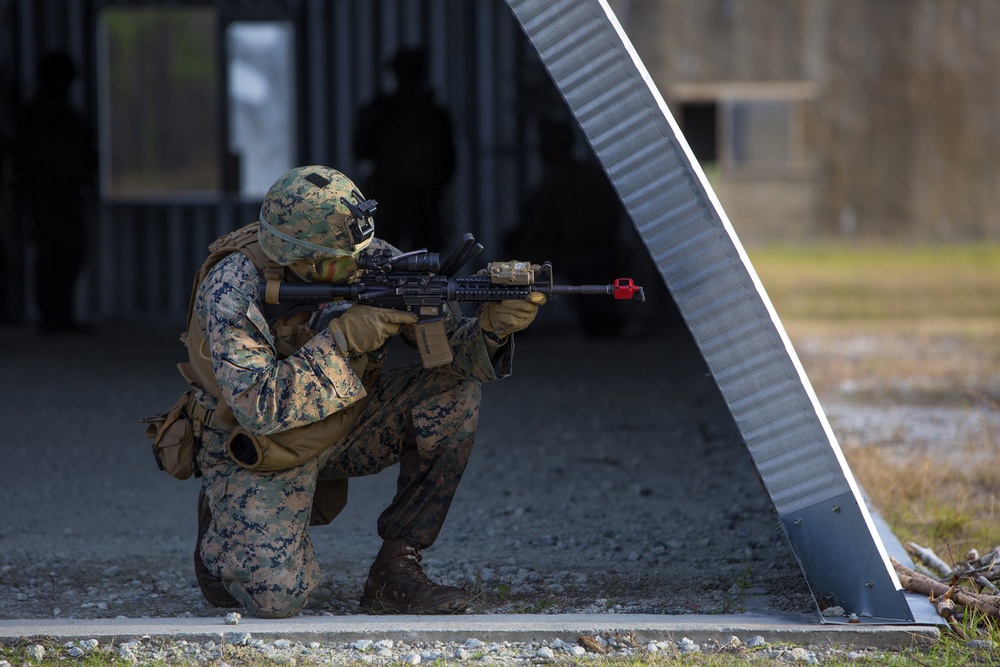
[705,268]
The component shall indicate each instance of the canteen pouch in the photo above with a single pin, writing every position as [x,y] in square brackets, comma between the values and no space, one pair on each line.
[279,451]
[174,442]
[287,449]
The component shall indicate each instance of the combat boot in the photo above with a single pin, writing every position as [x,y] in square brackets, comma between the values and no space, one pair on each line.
[211,587]
[397,585]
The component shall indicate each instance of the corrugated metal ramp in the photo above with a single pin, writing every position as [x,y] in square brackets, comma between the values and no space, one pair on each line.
[707,272]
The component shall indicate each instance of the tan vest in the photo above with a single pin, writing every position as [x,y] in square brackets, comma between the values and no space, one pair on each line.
[278,451]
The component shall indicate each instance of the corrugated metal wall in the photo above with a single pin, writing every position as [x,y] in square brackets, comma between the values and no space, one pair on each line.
[144,253]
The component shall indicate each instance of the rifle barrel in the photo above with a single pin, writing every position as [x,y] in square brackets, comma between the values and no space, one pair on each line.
[579,289]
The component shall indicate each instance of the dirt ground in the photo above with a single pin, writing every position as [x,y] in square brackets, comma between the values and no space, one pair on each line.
[607,476]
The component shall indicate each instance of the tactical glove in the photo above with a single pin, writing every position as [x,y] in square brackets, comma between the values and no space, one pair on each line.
[505,317]
[363,329]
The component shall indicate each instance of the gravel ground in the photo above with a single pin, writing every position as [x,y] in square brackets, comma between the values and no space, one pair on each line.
[607,476]
[240,647]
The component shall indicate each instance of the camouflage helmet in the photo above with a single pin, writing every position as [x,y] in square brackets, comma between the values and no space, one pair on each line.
[314,212]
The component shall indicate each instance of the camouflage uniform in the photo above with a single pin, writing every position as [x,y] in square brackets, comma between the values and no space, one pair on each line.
[425,419]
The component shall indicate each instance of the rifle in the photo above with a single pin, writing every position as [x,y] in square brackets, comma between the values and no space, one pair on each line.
[420,283]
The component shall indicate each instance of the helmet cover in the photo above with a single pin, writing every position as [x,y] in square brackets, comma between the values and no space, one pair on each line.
[314,212]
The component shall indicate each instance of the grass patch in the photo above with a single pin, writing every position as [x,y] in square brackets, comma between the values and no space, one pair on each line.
[538,607]
[910,325]
[950,508]
[918,326]
[880,282]
[738,591]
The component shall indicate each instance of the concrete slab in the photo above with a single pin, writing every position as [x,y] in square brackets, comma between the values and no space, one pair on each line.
[794,629]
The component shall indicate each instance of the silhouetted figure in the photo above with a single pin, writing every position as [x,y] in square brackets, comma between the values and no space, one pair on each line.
[54,165]
[572,218]
[11,281]
[408,138]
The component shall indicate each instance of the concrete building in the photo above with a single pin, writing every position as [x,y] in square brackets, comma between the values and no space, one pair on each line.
[835,118]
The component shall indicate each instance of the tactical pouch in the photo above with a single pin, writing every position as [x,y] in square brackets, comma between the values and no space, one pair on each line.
[279,451]
[287,449]
[246,448]
[174,441]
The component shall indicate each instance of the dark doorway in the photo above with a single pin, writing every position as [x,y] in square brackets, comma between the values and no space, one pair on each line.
[700,127]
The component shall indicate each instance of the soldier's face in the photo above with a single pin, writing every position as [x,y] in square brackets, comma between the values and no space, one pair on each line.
[329,270]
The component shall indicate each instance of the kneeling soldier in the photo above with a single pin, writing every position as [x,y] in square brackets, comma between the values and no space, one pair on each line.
[293,405]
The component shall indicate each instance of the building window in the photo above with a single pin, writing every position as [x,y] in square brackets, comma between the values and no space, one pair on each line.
[746,129]
[185,116]
[159,121]
[762,133]
[699,121]
[261,104]
[700,124]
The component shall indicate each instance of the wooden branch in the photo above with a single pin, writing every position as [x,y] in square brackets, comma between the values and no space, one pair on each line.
[927,556]
[921,583]
[945,607]
[591,644]
[983,582]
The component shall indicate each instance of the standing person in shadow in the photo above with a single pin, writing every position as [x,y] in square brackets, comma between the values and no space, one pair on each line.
[408,138]
[11,281]
[573,218]
[54,168]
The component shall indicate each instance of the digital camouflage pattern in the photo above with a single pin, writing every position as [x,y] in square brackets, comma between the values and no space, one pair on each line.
[308,211]
[266,394]
[425,419]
